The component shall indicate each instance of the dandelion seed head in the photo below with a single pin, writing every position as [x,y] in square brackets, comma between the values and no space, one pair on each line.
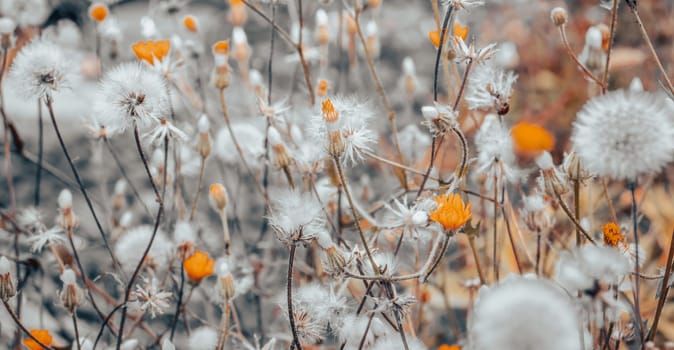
[580,268]
[624,134]
[130,247]
[490,88]
[496,157]
[25,12]
[296,216]
[129,95]
[503,314]
[41,69]
[203,338]
[250,138]
[43,238]
[393,341]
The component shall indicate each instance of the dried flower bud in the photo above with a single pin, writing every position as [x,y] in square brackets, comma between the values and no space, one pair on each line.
[573,169]
[559,16]
[322,88]
[7,27]
[322,30]
[67,218]
[7,283]
[281,157]
[217,194]
[71,293]
[226,289]
[205,143]
[335,260]
[335,144]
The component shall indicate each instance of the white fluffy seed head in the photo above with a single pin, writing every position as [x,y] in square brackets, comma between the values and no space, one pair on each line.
[68,277]
[321,17]
[624,134]
[544,161]
[274,136]
[7,25]
[239,36]
[504,314]
[203,338]
[42,68]
[65,199]
[203,125]
[593,37]
[429,112]
[130,94]
[5,267]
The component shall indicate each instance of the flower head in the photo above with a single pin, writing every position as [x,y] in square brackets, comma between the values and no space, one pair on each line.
[451,212]
[190,22]
[42,68]
[502,314]
[496,157]
[131,246]
[531,138]
[624,134]
[7,282]
[151,298]
[40,334]
[130,94]
[490,88]
[98,12]
[612,234]
[296,217]
[152,51]
[198,266]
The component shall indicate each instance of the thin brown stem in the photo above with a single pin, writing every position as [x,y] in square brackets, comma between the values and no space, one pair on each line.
[569,50]
[195,202]
[572,217]
[476,257]
[23,328]
[664,291]
[291,314]
[651,49]
[635,227]
[77,331]
[614,21]
[397,165]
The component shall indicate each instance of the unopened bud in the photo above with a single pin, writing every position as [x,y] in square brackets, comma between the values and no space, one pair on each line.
[217,194]
[558,16]
[205,143]
[70,295]
[7,283]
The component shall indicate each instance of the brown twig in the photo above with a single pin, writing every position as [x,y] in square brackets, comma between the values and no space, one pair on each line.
[664,291]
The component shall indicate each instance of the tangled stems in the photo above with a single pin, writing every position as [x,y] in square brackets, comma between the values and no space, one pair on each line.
[23,328]
[160,210]
[50,107]
[572,217]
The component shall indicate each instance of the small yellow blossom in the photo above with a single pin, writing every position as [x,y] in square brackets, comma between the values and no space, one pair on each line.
[330,115]
[451,212]
[190,23]
[531,138]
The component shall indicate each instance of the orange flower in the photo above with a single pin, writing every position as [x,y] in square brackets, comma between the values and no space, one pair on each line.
[198,266]
[151,50]
[323,87]
[451,212]
[218,196]
[449,347]
[460,31]
[190,23]
[221,47]
[98,12]
[236,3]
[531,138]
[40,334]
[434,37]
[612,234]
[330,115]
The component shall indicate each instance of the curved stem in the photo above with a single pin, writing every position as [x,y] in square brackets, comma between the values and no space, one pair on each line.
[50,107]
[77,332]
[441,46]
[651,49]
[471,240]
[107,319]
[40,151]
[23,328]
[614,21]
[588,74]
[291,314]
[160,210]
[664,291]
[572,217]
[180,300]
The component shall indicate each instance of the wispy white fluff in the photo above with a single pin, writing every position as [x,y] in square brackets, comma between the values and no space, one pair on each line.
[203,338]
[296,216]
[579,269]
[25,12]
[394,341]
[496,157]
[130,247]
[624,134]
[130,94]
[523,313]
[489,87]
[250,138]
[40,69]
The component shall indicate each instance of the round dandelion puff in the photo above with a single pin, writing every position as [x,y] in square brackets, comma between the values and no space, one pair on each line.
[128,94]
[41,68]
[624,134]
[504,316]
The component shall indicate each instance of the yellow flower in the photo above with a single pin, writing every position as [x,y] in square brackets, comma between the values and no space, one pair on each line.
[198,266]
[40,334]
[151,50]
[460,31]
[451,212]
[531,138]
[98,12]
[612,234]
[330,115]
[449,347]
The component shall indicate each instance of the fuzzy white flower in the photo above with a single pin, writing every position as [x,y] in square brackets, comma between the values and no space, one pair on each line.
[249,137]
[150,298]
[394,341]
[130,247]
[410,219]
[203,338]
[351,331]
[41,68]
[46,238]
[130,94]
[323,303]
[496,157]
[524,313]
[581,268]
[347,119]
[490,88]
[25,12]
[296,216]
[624,134]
